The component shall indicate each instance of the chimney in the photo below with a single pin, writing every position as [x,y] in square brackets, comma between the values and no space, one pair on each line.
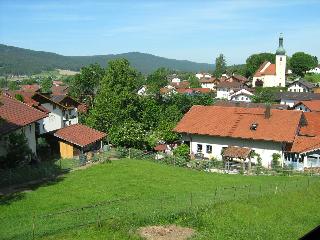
[267,112]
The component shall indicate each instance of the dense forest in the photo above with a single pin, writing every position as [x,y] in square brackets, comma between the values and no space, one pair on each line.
[19,61]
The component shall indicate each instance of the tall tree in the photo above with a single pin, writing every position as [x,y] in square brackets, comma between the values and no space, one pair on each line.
[255,60]
[221,66]
[116,100]
[84,85]
[301,62]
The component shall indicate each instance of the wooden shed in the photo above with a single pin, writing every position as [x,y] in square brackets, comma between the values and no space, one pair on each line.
[77,139]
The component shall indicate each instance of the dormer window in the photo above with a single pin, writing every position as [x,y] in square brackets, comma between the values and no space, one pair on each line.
[253,126]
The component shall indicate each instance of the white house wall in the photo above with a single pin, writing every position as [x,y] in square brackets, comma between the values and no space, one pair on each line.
[264,148]
[208,85]
[288,102]
[29,132]
[297,88]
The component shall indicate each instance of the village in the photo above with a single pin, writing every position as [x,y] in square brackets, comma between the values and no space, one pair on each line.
[234,130]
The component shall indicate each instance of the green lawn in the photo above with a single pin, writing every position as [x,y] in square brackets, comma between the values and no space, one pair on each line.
[128,194]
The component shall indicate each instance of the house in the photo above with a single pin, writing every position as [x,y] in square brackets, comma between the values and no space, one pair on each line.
[308,106]
[62,111]
[243,95]
[291,98]
[208,82]
[248,105]
[78,139]
[203,75]
[30,88]
[236,78]
[176,80]
[304,153]
[60,90]
[225,89]
[301,85]
[210,130]
[315,70]
[18,117]
[272,75]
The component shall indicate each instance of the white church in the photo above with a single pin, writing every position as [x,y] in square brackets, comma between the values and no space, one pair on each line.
[272,75]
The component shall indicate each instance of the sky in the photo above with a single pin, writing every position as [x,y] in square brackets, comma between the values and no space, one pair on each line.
[189,30]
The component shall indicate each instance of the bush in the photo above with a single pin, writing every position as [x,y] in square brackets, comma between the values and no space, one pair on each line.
[182,151]
[18,154]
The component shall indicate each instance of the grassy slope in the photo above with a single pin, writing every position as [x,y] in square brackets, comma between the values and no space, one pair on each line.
[148,187]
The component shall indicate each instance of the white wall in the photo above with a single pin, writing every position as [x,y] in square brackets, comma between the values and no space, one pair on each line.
[264,148]
[208,85]
[224,93]
[30,133]
[281,61]
[241,98]
[288,102]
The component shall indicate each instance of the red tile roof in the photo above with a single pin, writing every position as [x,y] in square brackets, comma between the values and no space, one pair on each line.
[236,122]
[312,105]
[30,88]
[183,84]
[232,85]
[16,114]
[160,147]
[193,90]
[304,144]
[208,80]
[79,134]
[270,70]
[60,90]
[313,126]
[27,97]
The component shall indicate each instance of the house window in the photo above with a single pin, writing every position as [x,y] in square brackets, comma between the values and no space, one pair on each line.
[199,148]
[53,106]
[209,149]
[30,128]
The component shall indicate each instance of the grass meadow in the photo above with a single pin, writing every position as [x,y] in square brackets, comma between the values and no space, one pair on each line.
[112,200]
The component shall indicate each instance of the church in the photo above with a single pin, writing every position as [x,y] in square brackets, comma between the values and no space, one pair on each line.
[272,75]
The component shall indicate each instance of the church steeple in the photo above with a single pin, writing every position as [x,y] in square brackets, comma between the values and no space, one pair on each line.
[280,50]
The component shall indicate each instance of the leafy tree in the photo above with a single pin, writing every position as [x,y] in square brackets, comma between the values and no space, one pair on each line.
[157,80]
[265,95]
[116,100]
[221,66]
[46,85]
[18,151]
[84,85]
[312,77]
[254,62]
[13,85]
[301,62]
[194,82]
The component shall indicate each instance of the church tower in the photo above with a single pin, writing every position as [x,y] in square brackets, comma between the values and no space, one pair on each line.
[281,61]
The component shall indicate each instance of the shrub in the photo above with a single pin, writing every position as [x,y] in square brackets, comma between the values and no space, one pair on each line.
[182,151]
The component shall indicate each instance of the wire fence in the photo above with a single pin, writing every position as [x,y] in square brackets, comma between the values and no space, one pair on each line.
[130,209]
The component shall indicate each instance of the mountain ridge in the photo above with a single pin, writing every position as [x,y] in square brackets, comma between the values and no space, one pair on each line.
[19,61]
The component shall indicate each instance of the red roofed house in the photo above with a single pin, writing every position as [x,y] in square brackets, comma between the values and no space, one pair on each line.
[272,75]
[211,129]
[308,106]
[208,82]
[78,139]
[17,116]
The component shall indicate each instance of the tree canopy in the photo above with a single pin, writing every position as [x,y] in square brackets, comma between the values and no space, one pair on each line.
[301,62]
[254,61]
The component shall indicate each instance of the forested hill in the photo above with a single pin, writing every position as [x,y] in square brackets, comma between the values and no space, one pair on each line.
[19,61]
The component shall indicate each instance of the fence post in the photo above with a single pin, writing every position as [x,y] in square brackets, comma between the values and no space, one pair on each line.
[129,153]
[33,225]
